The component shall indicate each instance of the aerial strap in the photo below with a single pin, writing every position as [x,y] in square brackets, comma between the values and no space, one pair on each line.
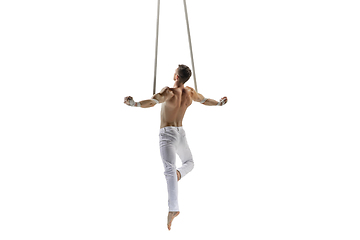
[157,41]
[156,45]
[189,38]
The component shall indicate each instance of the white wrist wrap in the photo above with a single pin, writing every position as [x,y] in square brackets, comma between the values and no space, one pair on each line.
[132,103]
[156,101]
[204,100]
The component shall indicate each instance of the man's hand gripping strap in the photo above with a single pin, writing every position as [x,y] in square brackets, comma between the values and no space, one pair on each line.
[221,102]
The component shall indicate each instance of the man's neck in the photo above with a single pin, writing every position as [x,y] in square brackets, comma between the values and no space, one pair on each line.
[177,84]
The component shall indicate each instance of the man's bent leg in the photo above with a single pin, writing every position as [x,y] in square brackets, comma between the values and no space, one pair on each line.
[185,155]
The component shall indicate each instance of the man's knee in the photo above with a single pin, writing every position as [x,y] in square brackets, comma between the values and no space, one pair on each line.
[191,165]
[170,170]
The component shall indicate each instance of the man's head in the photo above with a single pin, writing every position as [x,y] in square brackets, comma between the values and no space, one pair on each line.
[182,73]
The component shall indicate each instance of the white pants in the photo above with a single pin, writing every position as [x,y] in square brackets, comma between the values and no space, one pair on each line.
[172,142]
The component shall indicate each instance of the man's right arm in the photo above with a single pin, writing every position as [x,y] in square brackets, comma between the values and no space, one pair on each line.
[160,97]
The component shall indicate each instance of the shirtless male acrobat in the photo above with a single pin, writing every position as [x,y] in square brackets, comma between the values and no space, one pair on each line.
[172,135]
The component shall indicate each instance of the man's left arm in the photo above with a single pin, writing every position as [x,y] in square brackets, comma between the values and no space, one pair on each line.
[197,97]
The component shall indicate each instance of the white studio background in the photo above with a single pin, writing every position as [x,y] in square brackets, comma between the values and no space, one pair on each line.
[279,161]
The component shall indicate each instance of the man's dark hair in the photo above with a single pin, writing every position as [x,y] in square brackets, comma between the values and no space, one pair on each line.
[184,73]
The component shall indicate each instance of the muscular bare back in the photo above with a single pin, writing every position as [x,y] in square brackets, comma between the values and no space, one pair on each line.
[173,110]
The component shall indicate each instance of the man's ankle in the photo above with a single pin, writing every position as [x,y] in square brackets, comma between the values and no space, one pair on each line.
[178,175]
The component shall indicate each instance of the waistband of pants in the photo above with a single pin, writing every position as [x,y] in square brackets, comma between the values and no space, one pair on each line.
[170,128]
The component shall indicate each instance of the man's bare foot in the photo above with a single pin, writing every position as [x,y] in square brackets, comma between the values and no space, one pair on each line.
[178,175]
[171,217]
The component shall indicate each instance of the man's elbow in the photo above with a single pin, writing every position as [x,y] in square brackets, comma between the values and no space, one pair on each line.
[158,97]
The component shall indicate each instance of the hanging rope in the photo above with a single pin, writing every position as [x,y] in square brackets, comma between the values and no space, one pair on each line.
[189,38]
[156,45]
[157,40]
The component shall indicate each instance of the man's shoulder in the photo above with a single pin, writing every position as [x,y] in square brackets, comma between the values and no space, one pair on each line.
[190,89]
[165,89]
[167,93]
